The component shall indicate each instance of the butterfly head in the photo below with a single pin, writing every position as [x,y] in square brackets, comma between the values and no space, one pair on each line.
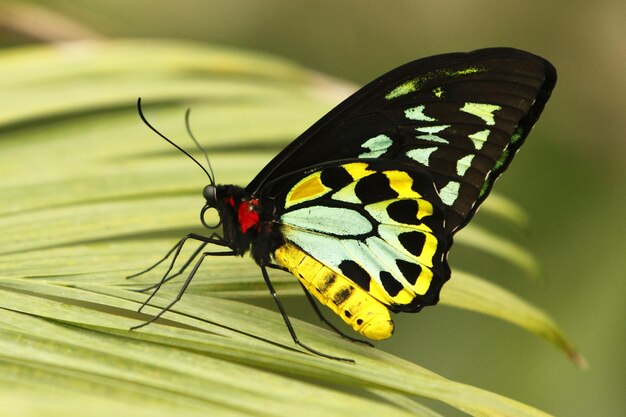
[230,204]
[240,215]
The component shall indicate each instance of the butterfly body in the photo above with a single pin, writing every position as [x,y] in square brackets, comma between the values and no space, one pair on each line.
[248,221]
[363,206]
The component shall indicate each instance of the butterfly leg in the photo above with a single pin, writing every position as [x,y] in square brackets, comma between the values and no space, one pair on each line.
[182,289]
[166,277]
[319,312]
[283,313]
[214,238]
[327,322]
[176,250]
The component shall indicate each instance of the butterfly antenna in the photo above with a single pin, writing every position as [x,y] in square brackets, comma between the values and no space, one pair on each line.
[204,152]
[147,123]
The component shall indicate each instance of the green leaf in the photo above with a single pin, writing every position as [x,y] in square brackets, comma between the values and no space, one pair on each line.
[482,239]
[89,195]
[505,209]
[472,293]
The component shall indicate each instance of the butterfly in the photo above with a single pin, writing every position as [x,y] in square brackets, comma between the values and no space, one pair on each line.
[362,207]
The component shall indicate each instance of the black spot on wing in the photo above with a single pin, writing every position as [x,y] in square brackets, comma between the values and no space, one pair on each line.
[342,295]
[412,242]
[335,177]
[404,211]
[390,284]
[409,270]
[328,282]
[355,273]
[422,183]
[374,188]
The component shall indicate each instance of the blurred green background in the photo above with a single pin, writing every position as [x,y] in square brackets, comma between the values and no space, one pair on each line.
[569,177]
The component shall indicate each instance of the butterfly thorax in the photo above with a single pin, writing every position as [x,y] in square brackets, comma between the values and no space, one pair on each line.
[248,222]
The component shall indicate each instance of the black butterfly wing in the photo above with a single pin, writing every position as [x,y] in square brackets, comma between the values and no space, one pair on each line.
[462,116]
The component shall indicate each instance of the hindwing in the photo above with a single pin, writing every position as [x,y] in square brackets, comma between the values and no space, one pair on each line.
[461,117]
[379,223]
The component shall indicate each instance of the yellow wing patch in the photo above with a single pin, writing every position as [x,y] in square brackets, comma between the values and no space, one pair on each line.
[428,250]
[358,170]
[359,309]
[309,188]
[401,183]
[424,279]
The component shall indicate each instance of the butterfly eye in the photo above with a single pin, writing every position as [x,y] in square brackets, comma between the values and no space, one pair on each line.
[206,208]
[210,195]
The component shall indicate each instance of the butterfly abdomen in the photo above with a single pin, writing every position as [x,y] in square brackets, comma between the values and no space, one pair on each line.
[355,306]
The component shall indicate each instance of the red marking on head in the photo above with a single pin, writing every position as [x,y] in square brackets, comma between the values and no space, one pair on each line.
[231,201]
[248,216]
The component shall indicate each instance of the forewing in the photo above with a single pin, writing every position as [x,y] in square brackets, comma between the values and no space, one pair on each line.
[379,223]
[460,116]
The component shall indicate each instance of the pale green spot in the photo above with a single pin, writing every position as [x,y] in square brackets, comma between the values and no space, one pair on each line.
[347,194]
[377,145]
[483,190]
[517,135]
[417,113]
[464,71]
[336,221]
[449,193]
[482,110]
[327,250]
[463,164]
[438,92]
[421,155]
[416,84]
[430,133]
[500,162]
[479,138]
[403,89]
